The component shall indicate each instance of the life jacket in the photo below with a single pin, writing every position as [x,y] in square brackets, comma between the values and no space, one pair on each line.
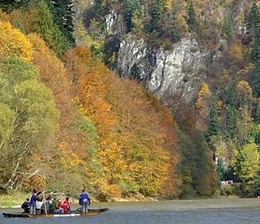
[66,206]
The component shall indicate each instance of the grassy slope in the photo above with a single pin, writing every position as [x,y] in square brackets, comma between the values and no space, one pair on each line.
[12,199]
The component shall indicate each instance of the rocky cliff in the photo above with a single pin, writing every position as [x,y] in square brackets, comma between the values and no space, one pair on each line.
[182,66]
[178,70]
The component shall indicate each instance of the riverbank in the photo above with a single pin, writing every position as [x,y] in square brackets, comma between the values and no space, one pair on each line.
[15,199]
[12,199]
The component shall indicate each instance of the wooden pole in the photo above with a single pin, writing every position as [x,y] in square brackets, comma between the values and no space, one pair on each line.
[44,202]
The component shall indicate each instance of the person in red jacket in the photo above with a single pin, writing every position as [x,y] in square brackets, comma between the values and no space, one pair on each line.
[66,205]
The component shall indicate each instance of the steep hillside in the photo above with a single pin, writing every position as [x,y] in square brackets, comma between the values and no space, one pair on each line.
[73,123]
[205,53]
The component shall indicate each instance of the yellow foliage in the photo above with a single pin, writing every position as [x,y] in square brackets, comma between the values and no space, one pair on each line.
[14,43]
[168,5]
[246,70]
[36,181]
[219,105]
[236,51]
[244,88]
[70,159]
[3,16]
[39,46]
[203,96]
[180,19]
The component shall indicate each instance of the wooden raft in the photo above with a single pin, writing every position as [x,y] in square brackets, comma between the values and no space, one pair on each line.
[90,212]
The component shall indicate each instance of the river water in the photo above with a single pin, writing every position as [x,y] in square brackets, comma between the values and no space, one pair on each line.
[207,211]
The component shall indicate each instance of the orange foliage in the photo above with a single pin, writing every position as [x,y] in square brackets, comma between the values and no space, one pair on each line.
[76,60]
[93,98]
[71,142]
[137,139]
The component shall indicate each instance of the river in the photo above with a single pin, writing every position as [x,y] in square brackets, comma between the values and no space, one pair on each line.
[206,211]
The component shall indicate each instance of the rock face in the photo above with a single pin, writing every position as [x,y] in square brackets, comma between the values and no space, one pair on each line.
[177,70]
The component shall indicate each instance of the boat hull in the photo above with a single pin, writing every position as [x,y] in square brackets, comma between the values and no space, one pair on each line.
[90,212]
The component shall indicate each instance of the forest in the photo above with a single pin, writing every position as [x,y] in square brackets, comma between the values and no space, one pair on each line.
[69,120]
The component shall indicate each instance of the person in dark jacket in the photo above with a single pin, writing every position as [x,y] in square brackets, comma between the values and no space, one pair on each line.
[26,206]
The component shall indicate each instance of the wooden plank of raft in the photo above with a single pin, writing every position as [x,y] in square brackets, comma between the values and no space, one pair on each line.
[26,215]
[16,215]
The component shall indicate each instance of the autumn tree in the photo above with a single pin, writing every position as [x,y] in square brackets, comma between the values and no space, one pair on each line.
[246,167]
[17,46]
[129,160]
[75,139]
[244,123]
[203,105]
[30,116]
[23,19]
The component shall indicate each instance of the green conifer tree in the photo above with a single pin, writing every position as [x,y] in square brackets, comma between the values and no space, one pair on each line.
[63,14]
[192,20]
[156,16]
[201,172]
[253,20]
[231,112]
[132,8]
[9,5]
[231,121]
[214,125]
[228,29]
[255,80]
[255,49]
[49,31]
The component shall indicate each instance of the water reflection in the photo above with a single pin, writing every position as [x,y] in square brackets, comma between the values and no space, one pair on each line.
[210,211]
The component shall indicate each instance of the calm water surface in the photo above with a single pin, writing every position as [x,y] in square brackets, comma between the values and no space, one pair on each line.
[209,211]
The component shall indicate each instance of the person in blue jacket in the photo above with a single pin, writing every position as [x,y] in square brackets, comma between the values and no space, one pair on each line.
[32,203]
[84,201]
